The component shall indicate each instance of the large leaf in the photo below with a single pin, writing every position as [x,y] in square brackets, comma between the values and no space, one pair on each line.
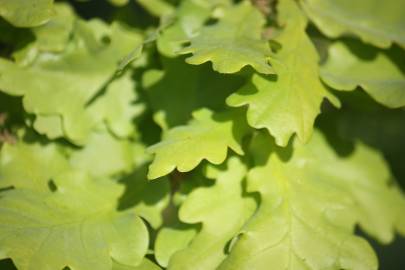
[353,64]
[232,43]
[215,208]
[207,136]
[310,202]
[77,226]
[376,22]
[26,13]
[72,78]
[290,102]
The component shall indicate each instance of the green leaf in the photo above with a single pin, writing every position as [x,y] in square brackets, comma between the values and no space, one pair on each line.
[72,78]
[199,87]
[30,165]
[77,226]
[311,199]
[353,64]
[232,43]
[26,13]
[374,22]
[207,136]
[215,208]
[290,102]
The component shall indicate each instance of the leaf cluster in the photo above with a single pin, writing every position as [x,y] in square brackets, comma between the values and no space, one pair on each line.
[200,134]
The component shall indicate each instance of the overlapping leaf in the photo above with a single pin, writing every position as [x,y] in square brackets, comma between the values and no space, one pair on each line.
[373,21]
[290,102]
[207,136]
[353,64]
[77,226]
[72,78]
[309,204]
[232,43]
[215,208]
[26,13]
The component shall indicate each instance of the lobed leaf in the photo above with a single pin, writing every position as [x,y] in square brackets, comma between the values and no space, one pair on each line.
[310,200]
[353,64]
[289,102]
[215,208]
[207,136]
[77,226]
[374,22]
[232,43]
[72,78]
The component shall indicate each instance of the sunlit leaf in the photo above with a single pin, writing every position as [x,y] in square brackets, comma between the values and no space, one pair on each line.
[289,102]
[207,136]
[232,43]
[77,226]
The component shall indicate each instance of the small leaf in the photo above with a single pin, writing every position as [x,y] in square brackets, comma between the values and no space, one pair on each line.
[207,136]
[232,43]
[215,207]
